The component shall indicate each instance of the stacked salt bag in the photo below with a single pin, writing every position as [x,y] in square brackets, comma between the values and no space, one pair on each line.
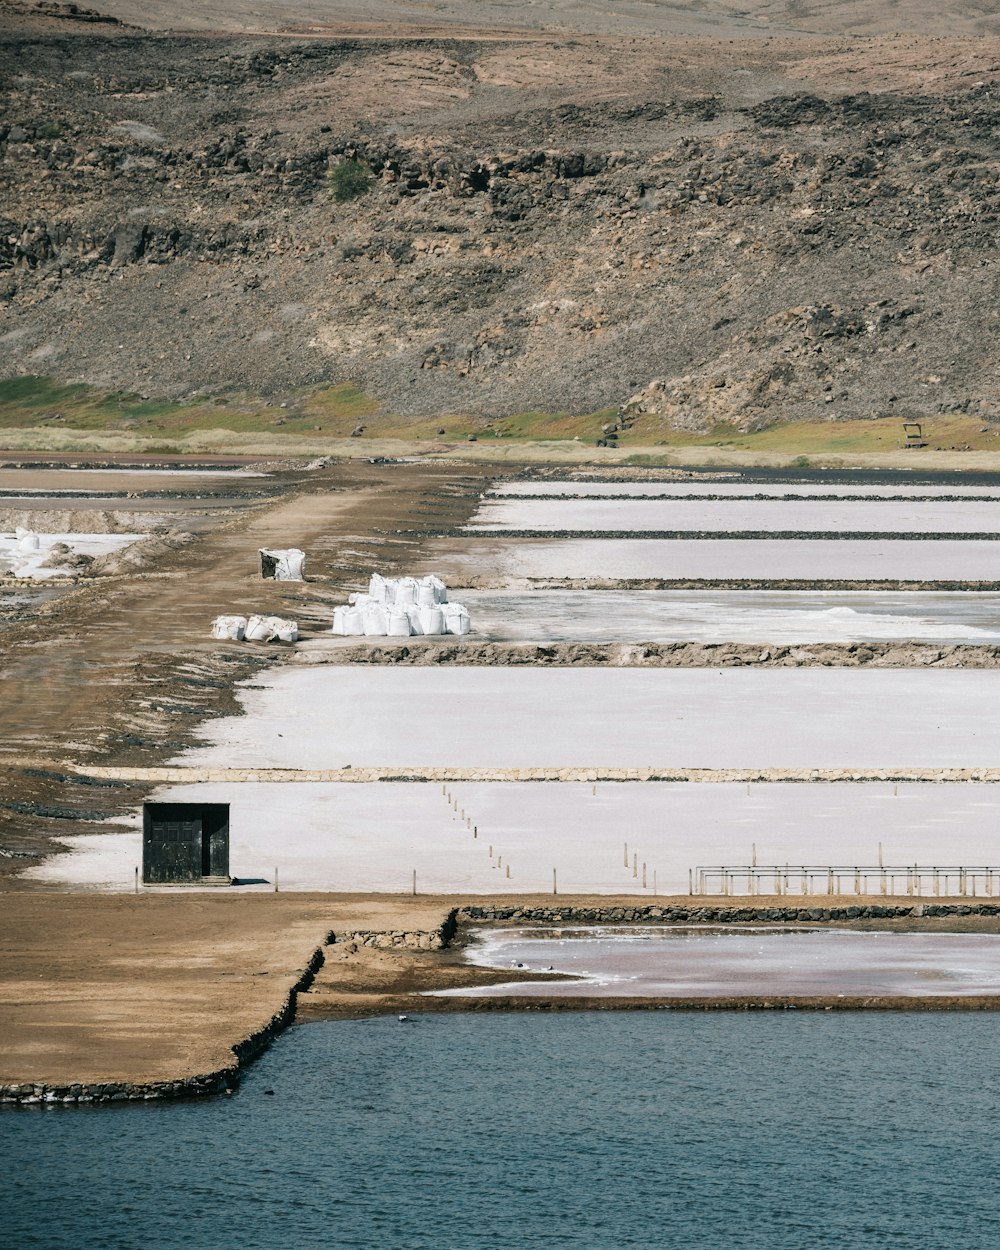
[401,608]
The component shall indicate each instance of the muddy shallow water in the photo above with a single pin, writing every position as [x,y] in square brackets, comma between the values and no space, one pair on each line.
[704,962]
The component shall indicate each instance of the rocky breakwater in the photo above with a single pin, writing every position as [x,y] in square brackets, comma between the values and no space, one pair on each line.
[403,939]
[699,912]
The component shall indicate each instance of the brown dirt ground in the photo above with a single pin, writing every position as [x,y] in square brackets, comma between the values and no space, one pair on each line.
[97,988]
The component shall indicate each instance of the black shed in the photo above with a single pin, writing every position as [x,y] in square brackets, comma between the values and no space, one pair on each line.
[183,842]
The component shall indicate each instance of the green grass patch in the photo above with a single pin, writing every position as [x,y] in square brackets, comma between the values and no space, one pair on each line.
[35,392]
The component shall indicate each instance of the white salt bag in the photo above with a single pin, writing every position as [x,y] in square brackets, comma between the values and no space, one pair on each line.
[271,629]
[431,620]
[377,588]
[27,540]
[285,564]
[231,627]
[406,591]
[456,619]
[438,586]
[413,616]
[376,621]
[339,620]
[354,622]
[399,623]
[291,566]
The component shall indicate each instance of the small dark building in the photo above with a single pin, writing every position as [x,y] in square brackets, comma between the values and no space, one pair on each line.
[184,842]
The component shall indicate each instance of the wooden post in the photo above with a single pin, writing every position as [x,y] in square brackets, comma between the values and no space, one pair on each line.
[137,880]
[690,882]
[276,879]
[475,831]
[554,889]
[626,854]
[635,864]
[753,854]
[508,871]
[414,881]
[654,883]
[644,874]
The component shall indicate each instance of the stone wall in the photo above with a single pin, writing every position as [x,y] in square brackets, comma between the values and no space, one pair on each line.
[700,913]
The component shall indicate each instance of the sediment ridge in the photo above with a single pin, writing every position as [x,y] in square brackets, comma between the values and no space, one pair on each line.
[473,652]
[179,774]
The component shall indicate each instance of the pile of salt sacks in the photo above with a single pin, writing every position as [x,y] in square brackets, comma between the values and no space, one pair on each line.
[255,629]
[401,607]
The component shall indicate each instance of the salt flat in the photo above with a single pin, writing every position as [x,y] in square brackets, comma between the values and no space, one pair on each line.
[765,616]
[734,515]
[372,837]
[334,716]
[730,558]
[777,490]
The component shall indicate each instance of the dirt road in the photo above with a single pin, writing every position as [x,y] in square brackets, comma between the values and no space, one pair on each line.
[123,669]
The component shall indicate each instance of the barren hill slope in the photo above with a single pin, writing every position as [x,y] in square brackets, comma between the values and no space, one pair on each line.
[738,229]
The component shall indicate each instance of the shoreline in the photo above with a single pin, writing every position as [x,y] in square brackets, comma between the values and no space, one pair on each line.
[196,1016]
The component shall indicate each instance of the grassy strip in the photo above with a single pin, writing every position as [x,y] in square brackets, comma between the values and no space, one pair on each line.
[39,413]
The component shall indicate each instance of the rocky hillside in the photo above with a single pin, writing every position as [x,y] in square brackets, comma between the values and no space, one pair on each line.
[722,232]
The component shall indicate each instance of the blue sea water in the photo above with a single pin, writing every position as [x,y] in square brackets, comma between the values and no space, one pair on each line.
[590,1131]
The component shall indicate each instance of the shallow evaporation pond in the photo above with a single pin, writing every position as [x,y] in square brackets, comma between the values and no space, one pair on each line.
[735,515]
[604,838]
[733,616]
[746,490]
[332,716]
[575,1131]
[461,560]
[699,962]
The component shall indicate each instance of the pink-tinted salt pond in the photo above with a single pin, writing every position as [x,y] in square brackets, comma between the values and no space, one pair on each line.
[695,962]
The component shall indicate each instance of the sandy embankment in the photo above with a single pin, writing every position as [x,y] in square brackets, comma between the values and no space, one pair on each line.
[159,988]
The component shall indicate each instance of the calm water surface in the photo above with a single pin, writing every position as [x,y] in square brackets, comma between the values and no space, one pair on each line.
[593,1131]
